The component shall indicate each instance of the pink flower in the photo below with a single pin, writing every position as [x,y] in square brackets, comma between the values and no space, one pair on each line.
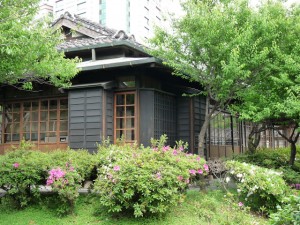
[175,152]
[188,154]
[180,178]
[16,165]
[198,158]
[154,149]
[116,168]
[181,148]
[49,182]
[200,171]
[206,167]
[166,148]
[158,176]
[240,204]
[187,181]
[71,168]
[192,172]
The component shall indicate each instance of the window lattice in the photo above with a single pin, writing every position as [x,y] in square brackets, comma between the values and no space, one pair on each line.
[165,116]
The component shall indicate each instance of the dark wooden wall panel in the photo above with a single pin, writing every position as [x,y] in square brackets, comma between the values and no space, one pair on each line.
[85,118]
[146,119]
[199,116]
[183,119]
[109,115]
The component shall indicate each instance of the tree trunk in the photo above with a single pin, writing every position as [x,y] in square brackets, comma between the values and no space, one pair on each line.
[254,138]
[201,137]
[292,140]
[293,153]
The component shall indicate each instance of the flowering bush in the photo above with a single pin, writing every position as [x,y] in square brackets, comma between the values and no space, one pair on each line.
[142,180]
[66,184]
[82,160]
[20,173]
[260,188]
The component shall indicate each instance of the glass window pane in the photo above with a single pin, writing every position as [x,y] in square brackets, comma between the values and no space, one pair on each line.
[35,106]
[42,137]
[130,135]
[34,116]
[34,127]
[26,116]
[120,123]
[16,107]
[120,99]
[130,111]
[130,123]
[53,104]
[9,128]
[44,105]
[7,138]
[15,137]
[43,126]
[17,128]
[53,115]
[120,111]
[64,115]
[64,104]
[34,136]
[27,106]
[63,125]
[44,116]
[16,117]
[119,134]
[26,136]
[52,125]
[130,99]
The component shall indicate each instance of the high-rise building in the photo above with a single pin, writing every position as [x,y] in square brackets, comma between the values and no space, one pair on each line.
[135,17]
[45,9]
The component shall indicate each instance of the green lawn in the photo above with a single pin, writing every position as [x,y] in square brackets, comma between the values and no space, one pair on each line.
[199,208]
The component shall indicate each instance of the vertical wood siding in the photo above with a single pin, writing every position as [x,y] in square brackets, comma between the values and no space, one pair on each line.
[146,116]
[85,118]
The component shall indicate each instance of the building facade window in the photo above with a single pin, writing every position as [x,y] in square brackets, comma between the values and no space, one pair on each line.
[102,12]
[37,120]
[125,117]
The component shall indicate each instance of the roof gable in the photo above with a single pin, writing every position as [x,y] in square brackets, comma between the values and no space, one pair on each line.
[80,32]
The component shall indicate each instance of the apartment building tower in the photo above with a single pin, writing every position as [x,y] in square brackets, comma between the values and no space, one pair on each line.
[133,16]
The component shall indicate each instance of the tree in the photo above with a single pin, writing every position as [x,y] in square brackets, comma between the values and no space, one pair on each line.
[274,99]
[226,46]
[28,50]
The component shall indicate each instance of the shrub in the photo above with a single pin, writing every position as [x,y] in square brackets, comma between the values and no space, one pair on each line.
[82,160]
[65,182]
[274,159]
[259,188]
[142,180]
[21,172]
[269,158]
[287,214]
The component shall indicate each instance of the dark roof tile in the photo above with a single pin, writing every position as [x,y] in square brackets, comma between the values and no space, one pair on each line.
[106,35]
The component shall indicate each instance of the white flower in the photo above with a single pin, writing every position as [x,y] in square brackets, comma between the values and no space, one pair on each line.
[227,179]
[239,175]
[242,180]
[238,190]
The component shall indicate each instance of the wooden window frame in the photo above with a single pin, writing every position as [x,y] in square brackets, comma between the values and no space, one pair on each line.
[57,111]
[125,117]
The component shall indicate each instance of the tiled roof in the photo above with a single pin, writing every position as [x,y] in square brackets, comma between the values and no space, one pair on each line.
[103,34]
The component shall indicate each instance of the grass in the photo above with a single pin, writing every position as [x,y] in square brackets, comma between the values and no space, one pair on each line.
[199,208]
